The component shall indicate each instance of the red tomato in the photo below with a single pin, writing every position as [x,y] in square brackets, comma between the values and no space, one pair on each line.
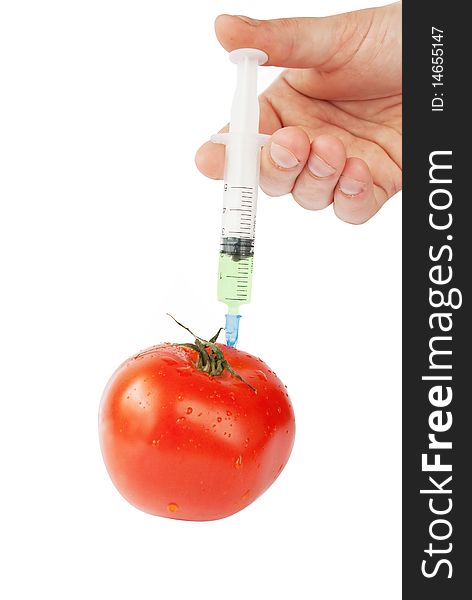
[180,443]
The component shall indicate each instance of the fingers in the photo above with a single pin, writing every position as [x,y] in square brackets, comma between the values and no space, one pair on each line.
[283,159]
[315,185]
[298,42]
[319,173]
[210,159]
[356,199]
[316,173]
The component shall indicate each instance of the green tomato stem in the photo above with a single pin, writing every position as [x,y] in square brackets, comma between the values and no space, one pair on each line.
[210,358]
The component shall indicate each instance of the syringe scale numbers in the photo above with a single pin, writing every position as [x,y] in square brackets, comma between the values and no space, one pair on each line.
[242,161]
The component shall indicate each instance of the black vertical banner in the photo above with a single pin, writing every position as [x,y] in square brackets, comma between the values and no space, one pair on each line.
[437,267]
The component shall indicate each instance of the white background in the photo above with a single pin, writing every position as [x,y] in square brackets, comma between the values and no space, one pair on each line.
[105,226]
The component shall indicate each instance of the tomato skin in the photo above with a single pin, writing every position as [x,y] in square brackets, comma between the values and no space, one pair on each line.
[181,444]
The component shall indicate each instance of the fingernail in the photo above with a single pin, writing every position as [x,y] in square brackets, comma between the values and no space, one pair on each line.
[319,167]
[350,187]
[283,157]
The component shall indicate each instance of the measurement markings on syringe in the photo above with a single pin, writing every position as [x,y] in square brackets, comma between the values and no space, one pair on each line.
[239,209]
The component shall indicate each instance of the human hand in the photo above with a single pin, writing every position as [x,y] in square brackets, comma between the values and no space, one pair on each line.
[334,115]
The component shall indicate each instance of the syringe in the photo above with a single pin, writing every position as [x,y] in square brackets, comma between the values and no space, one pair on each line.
[241,180]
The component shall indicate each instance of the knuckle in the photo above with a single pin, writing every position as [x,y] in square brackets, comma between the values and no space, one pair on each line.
[309,201]
[397,184]
[352,217]
[271,190]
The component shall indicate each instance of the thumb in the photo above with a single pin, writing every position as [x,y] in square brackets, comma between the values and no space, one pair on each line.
[298,42]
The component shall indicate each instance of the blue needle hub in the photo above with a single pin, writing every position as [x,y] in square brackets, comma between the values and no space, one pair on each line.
[232,329]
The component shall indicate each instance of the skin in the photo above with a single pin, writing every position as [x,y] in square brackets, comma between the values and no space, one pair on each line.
[335,113]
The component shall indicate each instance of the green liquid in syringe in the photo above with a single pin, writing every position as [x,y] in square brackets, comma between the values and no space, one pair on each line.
[234,281]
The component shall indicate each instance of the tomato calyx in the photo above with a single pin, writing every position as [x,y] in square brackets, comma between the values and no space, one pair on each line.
[210,358]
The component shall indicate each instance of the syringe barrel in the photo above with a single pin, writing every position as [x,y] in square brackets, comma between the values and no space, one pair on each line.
[241,176]
[238,222]
[242,160]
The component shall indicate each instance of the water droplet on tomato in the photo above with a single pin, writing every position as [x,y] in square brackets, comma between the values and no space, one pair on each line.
[172,507]
[180,420]
[229,435]
[246,442]
[180,397]
[189,410]
[238,463]
[184,371]
[155,442]
[279,409]
[219,419]
[229,413]
[169,361]
[260,375]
